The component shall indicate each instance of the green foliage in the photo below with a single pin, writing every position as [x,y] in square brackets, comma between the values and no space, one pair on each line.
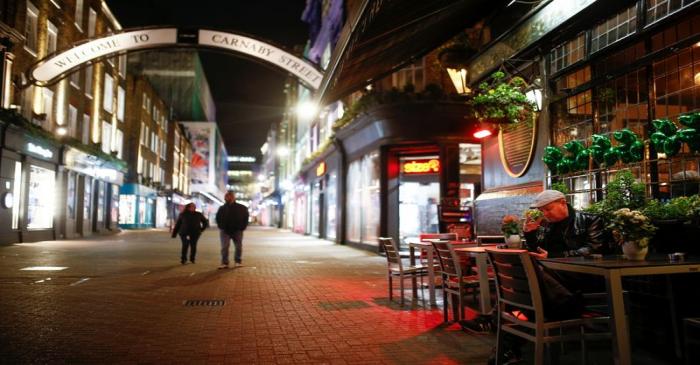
[561,187]
[510,225]
[622,192]
[501,98]
[681,208]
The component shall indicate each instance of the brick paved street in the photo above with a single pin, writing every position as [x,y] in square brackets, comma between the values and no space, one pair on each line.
[295,300]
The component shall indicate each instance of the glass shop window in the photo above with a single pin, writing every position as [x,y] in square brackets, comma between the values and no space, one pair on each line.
[568,53]
[615,28]
[40,206]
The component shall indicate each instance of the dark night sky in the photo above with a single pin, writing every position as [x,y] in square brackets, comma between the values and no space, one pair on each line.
[248,95]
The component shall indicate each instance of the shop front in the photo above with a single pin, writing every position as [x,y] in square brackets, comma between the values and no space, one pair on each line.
[322,213]
[137,204]
[89,188]
[399,171]
[29,190]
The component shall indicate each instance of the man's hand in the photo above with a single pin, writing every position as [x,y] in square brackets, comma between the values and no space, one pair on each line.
[540,254]
[530,226]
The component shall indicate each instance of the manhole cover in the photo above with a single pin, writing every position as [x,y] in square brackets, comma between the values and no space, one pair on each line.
[204,303]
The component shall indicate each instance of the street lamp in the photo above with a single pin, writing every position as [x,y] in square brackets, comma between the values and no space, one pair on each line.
[282,151]
[307,109]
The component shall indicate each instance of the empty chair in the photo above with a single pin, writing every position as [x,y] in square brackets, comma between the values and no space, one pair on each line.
[425,237]
[520,308]
[456,283]
[396,268]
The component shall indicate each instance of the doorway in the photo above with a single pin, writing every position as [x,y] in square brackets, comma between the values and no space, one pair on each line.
[419,195]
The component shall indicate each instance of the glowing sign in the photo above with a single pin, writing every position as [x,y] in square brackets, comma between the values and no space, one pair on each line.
[421,166]
[321,169]
[41,151]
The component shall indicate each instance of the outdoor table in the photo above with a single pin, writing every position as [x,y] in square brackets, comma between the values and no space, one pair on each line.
[430,257]
[612,269]
[481,258]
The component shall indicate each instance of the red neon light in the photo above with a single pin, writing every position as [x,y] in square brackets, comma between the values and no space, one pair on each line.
[421,166]
[482,133]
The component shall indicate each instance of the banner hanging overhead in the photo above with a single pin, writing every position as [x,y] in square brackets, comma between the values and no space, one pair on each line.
[57,65]
[54,67]
[303,70]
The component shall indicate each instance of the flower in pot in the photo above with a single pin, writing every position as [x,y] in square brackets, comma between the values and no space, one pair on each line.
[632,230]
[510,226]
[502,100]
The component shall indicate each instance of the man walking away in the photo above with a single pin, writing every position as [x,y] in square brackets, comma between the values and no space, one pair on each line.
[190,224]
[232,219]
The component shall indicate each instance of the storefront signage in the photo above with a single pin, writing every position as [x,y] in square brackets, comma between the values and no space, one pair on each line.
[65,61]
[421,166]
[51,68]
[81,162]
[516,147]
[304,70]
[38,150]
[321,169]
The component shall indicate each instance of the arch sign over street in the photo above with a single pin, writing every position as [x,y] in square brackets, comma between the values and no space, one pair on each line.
[58,65]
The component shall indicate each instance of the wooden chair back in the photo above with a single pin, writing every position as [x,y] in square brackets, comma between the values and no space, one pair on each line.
[516,281]
[393,256]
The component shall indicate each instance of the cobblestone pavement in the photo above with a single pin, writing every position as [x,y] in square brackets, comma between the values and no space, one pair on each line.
[296,300]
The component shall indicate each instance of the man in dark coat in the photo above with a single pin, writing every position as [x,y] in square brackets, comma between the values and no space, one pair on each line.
[232,219]
[190,224]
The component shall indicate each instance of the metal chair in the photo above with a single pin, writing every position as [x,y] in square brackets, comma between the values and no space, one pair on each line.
[456,283]
[520,307]
[396,268]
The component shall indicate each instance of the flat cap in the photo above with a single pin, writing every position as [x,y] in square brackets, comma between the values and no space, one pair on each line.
[547,197]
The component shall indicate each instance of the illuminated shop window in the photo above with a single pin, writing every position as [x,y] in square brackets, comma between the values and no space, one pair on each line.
[40,205]
[16,190]
[127,209]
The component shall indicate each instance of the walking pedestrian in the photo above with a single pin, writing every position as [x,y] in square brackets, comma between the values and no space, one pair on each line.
[232,219]
[190,224]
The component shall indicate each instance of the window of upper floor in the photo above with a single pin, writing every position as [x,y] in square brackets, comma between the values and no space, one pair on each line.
[31,28]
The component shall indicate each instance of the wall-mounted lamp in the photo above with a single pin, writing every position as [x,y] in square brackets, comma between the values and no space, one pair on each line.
[456,61]
[533,93]
[482,130]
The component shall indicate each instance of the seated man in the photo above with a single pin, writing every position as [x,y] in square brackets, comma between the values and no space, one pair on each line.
[563,231]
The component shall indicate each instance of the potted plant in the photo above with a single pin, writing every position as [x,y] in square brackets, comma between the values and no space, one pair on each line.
[510,226]
[503,101]
[632,230]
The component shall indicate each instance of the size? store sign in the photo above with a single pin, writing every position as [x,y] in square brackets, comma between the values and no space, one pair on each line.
[431,166]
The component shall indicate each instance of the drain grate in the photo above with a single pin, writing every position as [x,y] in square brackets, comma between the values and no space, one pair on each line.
[204,303]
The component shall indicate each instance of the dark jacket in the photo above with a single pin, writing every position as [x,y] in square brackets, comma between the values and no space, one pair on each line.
[232,217]
[190,224]
[580,234]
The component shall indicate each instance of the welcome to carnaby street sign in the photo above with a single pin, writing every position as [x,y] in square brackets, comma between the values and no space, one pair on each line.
[58,65]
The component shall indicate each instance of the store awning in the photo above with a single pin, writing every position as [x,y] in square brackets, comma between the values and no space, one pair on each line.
[381,36]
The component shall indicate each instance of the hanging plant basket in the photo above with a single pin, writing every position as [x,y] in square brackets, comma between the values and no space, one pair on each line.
[503,100]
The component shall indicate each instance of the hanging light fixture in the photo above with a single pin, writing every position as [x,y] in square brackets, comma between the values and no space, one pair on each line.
[456,61]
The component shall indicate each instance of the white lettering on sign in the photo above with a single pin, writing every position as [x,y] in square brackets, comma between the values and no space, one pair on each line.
[41,151]
[302,69]
[63,62]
